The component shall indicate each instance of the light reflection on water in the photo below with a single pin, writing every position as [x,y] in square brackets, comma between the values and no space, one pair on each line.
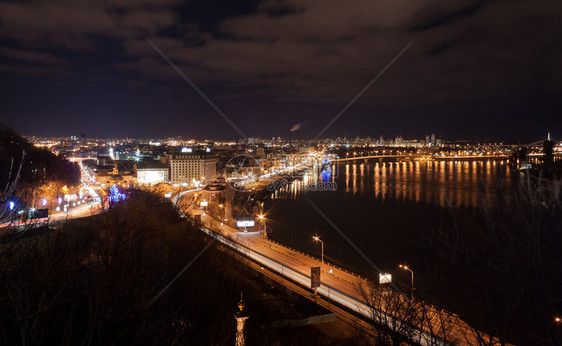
[457,183]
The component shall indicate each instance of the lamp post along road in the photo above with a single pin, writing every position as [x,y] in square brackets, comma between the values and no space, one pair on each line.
[412,274]
[322,245]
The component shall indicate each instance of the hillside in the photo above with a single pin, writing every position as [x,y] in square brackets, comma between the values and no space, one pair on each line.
[39,165]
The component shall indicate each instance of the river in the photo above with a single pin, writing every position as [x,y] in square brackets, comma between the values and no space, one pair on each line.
[384,209]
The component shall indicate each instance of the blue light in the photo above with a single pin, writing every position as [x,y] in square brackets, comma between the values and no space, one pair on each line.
[326,175]
[12,205]
[115,195]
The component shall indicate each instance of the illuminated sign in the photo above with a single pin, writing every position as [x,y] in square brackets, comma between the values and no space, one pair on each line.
[245,223]
[204,203]
[151,177]
[168,195]
[385,278]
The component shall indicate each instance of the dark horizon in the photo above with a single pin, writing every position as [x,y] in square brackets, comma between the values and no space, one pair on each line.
[475,70]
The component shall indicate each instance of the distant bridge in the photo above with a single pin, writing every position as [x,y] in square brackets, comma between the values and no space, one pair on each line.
[380,157]
[419,156]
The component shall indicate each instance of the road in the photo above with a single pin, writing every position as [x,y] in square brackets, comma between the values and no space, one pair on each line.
[337,285]
[82,209]
[78,210]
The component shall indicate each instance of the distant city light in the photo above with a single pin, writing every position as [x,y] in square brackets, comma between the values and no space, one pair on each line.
[186,150]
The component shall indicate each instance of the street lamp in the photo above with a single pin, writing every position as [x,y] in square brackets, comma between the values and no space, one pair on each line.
[411,272]
[322,244]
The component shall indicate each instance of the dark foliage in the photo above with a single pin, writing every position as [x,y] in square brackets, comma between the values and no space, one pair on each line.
[93,281]
[40,165]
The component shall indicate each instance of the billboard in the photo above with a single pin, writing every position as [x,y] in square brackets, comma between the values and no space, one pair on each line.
[245,223]
[385,278]
[314,277]
[38,213]
[151,177]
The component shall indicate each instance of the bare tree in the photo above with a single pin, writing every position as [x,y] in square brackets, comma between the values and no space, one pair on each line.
[397,319]
[394,317]
[10,189]
[507,262]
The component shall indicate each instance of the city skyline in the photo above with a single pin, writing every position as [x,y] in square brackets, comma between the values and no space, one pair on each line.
[282,172]
[462,70]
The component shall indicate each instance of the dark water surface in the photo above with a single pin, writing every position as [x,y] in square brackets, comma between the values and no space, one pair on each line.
[385,209]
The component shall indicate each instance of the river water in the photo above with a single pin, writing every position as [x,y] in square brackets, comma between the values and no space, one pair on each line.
[372,215]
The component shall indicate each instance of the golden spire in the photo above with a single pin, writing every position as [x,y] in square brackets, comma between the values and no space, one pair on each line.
[241,304]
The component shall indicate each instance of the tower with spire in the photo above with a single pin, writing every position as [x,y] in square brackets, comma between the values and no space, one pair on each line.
[241,318]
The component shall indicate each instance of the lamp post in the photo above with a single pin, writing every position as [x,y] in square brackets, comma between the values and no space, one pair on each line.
[322,244]
[412,273]
[261,217]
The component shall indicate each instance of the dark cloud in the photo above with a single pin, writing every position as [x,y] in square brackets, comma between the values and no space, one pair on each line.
[261,59]
[443,46]
[19,55]
[437,17]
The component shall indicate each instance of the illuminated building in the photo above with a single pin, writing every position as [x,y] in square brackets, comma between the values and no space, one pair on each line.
[189,167]
[152,172]
[115,176]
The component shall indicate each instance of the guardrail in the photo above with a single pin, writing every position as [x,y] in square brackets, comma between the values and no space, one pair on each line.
[329,264]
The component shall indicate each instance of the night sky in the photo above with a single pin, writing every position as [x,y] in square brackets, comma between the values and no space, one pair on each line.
[475,69]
